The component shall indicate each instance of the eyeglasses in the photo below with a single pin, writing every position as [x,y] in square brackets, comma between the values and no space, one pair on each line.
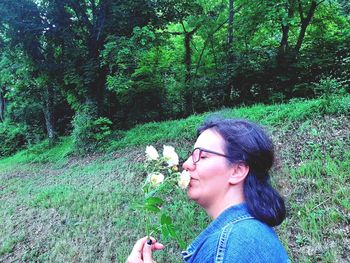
[197,154]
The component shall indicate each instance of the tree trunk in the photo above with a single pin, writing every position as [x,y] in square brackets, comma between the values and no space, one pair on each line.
[230,33]
[2,107]
[305,22]
[188,57]
[214,55]
[284,45]
[230,55]
[188,66]
[284,40]
[188,62]
[48,109]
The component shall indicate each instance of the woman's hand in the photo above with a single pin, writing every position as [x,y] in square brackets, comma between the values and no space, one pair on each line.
[142,251]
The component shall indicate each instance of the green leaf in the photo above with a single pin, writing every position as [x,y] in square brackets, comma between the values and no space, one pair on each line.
[165,231]
[137,206]
[154,201]
[165,220]
[182,244]
[151,208]
[168,228]
[159,188]
[172,231]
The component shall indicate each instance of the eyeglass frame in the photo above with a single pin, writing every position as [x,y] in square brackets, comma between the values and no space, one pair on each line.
[205,150]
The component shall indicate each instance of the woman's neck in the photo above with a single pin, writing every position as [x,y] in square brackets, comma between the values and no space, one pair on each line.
[231,198]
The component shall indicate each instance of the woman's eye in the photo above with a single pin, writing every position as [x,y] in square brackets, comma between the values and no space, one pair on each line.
[203,157]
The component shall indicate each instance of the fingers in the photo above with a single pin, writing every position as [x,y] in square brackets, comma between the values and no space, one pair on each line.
[148,247]
[142,250]
[137,249]
[136,253]
[157,246]
[154,244]
[147,252]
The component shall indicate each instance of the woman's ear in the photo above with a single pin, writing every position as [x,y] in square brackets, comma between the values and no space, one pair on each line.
[239,173]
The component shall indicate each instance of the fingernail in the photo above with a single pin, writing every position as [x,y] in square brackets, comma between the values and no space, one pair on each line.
[149,242]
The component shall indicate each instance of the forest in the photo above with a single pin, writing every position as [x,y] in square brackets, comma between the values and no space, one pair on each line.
[86,86]
[94,68]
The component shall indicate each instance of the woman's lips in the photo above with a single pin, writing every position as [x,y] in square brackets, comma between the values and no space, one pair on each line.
[192,181]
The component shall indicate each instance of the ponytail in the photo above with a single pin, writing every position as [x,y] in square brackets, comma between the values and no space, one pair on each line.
[263,201]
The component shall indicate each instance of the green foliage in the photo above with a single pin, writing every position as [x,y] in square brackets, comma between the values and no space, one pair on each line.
[184,129]
[8,245]
[144,62]
[328,87]
[42,152]
[53,197]
[135,78]
[46,153]
[272,115]
[90,134]
[13,137]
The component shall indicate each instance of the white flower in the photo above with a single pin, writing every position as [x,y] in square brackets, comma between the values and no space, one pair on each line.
[155,178]
[152,153]
[170,155]
[184,179]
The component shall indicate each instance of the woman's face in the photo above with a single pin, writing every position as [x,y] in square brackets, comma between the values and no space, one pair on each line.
[209,176]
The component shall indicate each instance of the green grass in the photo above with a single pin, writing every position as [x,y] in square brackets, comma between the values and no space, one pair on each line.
[40,153]
[272,115]
[57,207]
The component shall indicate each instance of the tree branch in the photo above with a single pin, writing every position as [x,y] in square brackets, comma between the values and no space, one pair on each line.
[317,4]
[81,13]
[305,23]
[183,26]
[101,18]
[173,33]
[301,12]
[93,9]
[206,43]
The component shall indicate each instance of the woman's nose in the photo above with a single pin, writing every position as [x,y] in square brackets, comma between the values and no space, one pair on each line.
[188,164]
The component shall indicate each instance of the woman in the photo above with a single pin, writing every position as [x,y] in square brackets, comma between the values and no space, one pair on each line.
[229,178]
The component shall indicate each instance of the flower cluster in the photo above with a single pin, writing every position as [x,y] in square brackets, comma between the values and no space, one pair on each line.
[171,159]
[162,173]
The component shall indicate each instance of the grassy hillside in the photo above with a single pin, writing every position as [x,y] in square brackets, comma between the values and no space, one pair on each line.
[58,207]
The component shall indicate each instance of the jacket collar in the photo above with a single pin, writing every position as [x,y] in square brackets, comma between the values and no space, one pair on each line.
[230,214]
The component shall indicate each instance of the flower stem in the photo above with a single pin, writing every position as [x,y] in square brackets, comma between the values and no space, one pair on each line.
[148,223]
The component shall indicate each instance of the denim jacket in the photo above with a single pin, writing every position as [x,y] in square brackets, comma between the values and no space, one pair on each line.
[235,236]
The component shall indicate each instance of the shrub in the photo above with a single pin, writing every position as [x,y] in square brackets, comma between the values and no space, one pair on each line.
[12,137]
[90,134]
[328,89]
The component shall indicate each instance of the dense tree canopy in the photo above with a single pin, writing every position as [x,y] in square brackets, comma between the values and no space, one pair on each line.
[147,60]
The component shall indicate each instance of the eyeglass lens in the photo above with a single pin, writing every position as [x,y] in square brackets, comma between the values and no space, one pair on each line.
[196,155]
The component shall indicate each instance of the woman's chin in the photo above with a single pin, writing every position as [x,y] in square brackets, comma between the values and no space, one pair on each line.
[191,193]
